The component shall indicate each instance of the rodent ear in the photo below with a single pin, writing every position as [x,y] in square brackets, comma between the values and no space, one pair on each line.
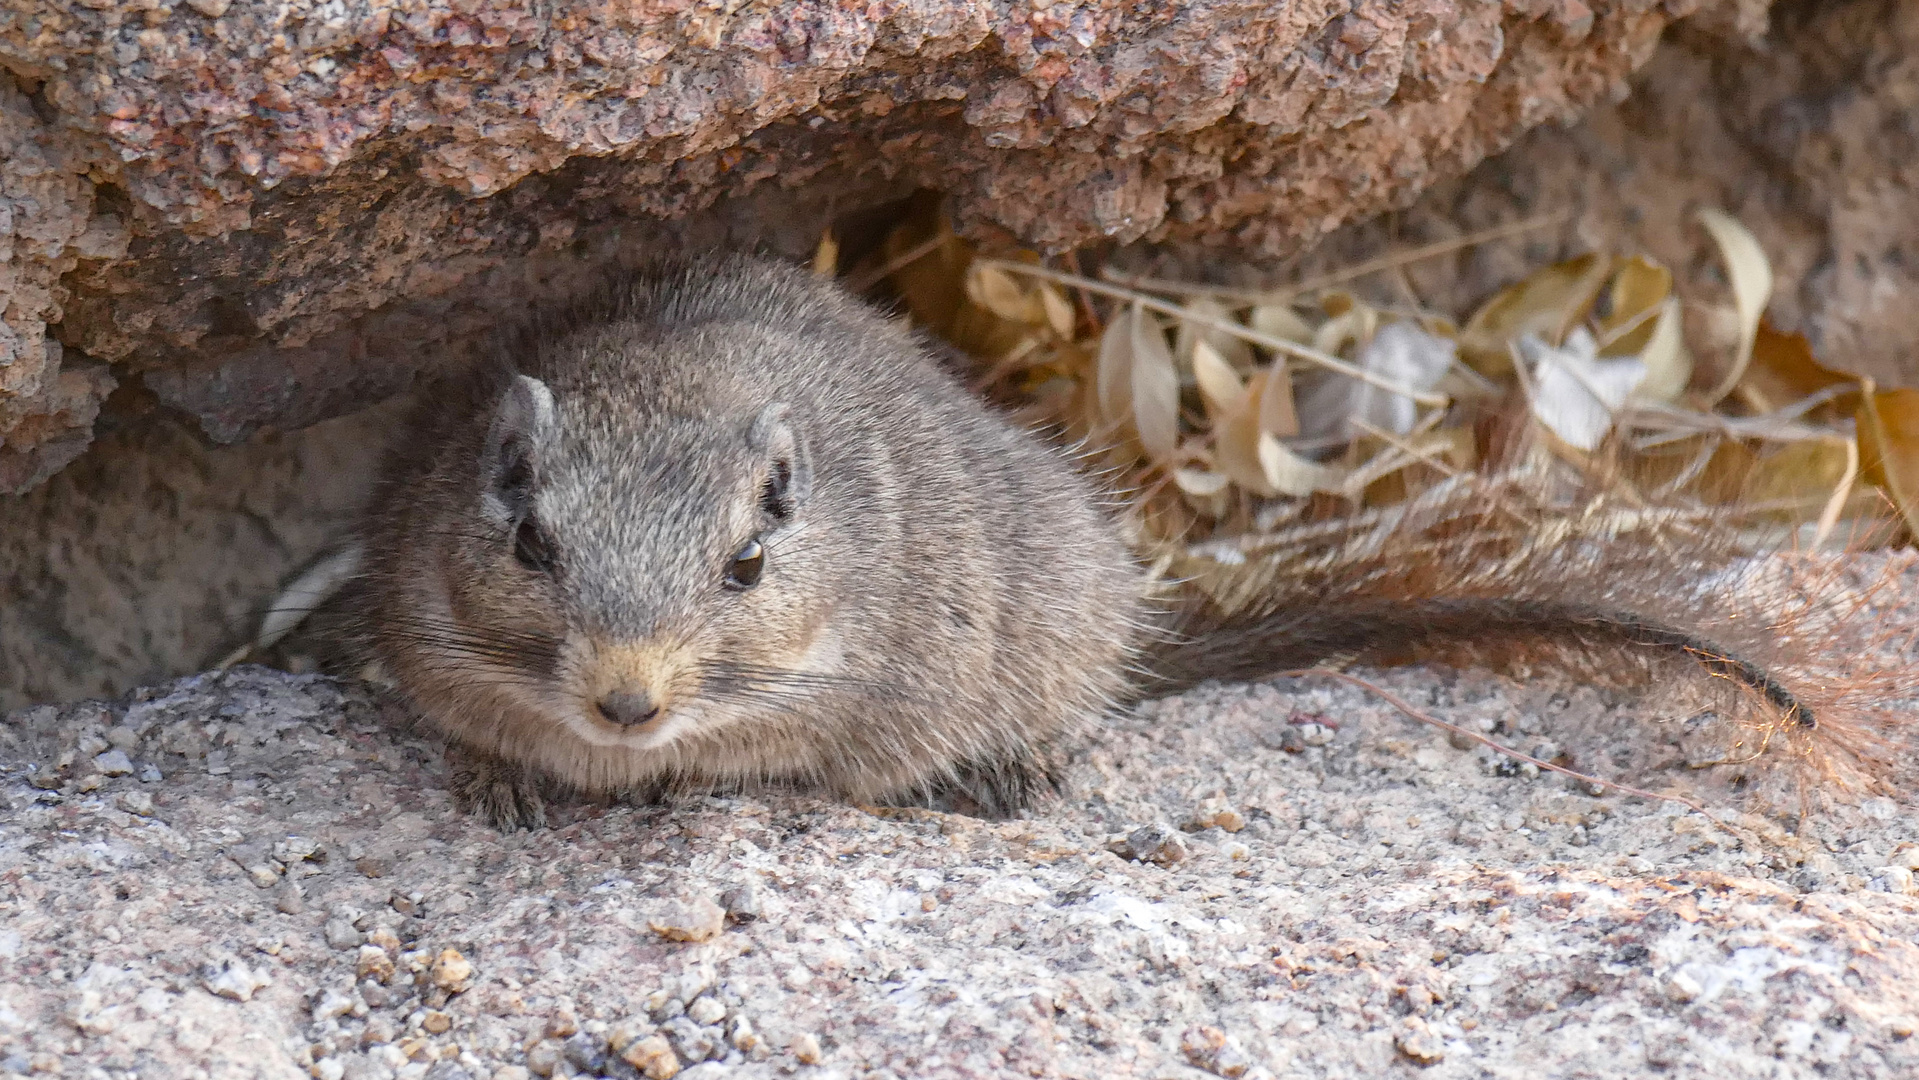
[523,425]
[790,479]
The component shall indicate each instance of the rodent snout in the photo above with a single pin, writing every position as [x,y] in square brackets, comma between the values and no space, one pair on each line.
[628,708]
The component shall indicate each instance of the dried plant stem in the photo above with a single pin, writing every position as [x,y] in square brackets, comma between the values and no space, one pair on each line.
[1423,717]
[1388,261]
[1224,326]
[1829,517]
[1670,424]
[897,263]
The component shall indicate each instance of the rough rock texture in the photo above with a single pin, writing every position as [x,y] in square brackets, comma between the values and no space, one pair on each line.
[154,555]
[47,225]
[214,192]
[254,875]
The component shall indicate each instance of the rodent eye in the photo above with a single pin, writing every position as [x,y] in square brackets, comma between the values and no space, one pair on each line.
[748,563]
[530,546]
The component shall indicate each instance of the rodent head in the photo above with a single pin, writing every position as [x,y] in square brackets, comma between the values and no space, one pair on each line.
[636,564]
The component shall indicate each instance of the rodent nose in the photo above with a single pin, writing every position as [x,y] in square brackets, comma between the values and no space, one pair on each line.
[629,707]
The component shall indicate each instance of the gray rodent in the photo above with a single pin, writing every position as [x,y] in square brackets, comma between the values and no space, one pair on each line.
[726,526]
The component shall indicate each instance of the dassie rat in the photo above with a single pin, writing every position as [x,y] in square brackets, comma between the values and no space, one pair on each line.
[728,526]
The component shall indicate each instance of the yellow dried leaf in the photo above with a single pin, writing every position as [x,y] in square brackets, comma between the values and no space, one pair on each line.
[1236,437]
[1750,273]
[1449,451]
[1888,424]
[1668,364]
[1277,414]
[1356,322]
[1137,384]
[1201,482]
[996,291]
[1059,311]
[1281,321]
[1220,387]
[1783,370]
[1547,304]
[933,285]
[1634,301]
[1290,474]
[1189,334]
[826,257]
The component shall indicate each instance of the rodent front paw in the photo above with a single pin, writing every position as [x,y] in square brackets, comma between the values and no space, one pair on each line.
[500,792]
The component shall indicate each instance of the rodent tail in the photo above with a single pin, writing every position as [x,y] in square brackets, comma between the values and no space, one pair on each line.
[1800,654]
[1210,645]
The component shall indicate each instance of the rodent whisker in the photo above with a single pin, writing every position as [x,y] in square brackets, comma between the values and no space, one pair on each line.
[755,679]
[444,628]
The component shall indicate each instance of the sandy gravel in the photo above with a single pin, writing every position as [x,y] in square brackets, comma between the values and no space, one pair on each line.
[254,875]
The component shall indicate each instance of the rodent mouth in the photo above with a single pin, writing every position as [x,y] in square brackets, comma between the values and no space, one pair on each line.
[586,724]
[642,729]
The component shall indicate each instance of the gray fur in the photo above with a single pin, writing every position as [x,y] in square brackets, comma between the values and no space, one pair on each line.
[948,593]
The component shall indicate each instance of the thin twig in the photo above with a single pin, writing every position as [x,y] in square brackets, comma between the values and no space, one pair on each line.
[1224,326]
[1671,424]
[1388,261]
[1093,321]
[1409,710]
[897,263]
[1829,517]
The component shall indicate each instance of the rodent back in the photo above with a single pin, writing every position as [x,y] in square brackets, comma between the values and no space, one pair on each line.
[576,530]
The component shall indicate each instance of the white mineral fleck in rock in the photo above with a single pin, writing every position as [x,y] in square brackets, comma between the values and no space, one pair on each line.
[233,979]
[113,763]
[695,919]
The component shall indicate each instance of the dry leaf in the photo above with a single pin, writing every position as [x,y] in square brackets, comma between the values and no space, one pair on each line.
[1233,350]
[1277,416]
[1220,387]
[1668,364]
[1635,298]
[1236,439]
[1137,383]
[1352,322]
[1290,474]
[934,285]
[1281,321]
[1574,392]
[997,291]
[826,257]
[1403,352]
[1750,273]
[1113,372]
[1546,304]
[1155,388]
[1059,311]
[1889,448]
[1804,471]
[942,294]
[1783,370]
[1201,482]
[1448,450]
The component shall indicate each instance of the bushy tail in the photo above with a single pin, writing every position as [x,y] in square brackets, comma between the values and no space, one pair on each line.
[1485,571]
[1208,644]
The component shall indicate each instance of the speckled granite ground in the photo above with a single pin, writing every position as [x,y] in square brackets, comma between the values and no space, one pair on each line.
[252,875]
